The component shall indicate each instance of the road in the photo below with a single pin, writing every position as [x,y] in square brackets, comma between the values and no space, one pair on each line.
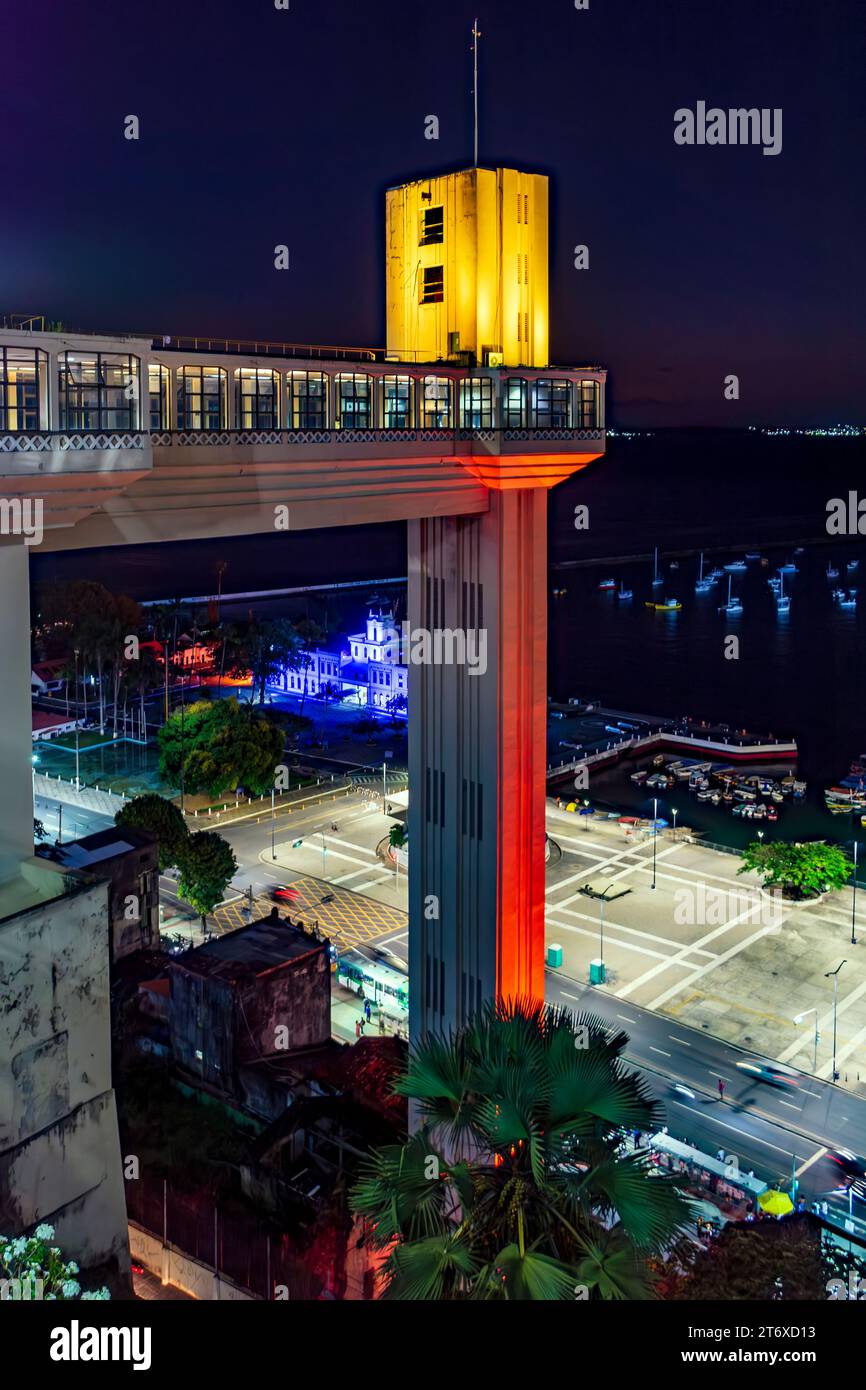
[775,1133]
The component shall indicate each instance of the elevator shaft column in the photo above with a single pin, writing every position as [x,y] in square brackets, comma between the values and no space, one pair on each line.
[477,760]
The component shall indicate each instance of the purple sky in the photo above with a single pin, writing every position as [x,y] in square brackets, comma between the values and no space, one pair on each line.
[261,127]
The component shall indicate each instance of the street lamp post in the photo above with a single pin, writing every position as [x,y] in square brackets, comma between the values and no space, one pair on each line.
[834,975]
[674,813]
[77,778]
[273,827]
[385,789]
[655,836]
[586,813]
[854,899]
[324,852]
[799,1019]
[602,900]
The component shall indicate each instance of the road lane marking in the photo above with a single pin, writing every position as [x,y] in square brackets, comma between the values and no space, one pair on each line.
[682,1041]
[660,1051]
[819,1153]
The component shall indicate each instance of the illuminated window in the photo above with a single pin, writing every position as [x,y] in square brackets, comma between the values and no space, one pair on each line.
[551,404]
[514,404]
[433,284]
[476,403]
[307,401]
[352,402]
[432,226]
[436,404]
[99,392]
[158,388]
[397,402]
[22,389]
[589,405]
[201,393]
[257,394]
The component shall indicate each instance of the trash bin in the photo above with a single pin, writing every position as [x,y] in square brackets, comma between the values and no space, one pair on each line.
[554,957]
[596,972]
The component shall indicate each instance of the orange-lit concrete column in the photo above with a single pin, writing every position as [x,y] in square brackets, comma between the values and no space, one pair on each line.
[477,760]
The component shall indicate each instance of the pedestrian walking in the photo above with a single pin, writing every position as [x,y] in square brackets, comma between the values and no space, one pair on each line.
[721,1155]
[357,1028]
[367,1010]
[721,1089]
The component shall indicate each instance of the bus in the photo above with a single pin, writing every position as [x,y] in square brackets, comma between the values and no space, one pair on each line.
[386,988]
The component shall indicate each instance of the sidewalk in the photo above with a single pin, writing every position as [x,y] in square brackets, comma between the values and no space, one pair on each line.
[707,948]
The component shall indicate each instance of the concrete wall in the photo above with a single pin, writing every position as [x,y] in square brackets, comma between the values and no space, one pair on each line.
[59,1148]
[173,1267]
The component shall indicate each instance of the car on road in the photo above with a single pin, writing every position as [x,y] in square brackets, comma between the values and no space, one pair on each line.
[853,1169]
[282,893]
[772,1073]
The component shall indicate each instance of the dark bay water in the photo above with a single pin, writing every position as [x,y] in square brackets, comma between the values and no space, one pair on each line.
[723,491]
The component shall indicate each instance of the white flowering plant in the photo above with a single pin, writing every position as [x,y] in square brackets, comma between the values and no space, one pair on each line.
[35,1268]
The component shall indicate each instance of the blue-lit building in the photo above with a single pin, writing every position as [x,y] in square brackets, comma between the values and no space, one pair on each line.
[369,672]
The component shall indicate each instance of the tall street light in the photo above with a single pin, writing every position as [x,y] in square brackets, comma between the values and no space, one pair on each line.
[834,976]
[854,898]
[655,836]
[77,723]
[602,897]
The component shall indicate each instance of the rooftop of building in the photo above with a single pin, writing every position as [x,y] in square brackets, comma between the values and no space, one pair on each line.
[102,845]
[254,950]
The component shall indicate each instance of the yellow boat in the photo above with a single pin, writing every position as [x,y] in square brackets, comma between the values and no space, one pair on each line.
[670,605]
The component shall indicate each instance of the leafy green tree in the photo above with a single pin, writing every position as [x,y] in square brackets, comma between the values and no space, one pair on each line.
[207,863]
[158,817]
[517,1185]
[39,831]
[398,836]
[215,747]
[801,871]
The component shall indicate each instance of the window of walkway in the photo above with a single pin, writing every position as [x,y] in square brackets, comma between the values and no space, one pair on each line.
[99,392]
[257,397]
[476,403]
[201,398]
[397,402]
[353,401]
[23,396]
[307,401]
[514,404]
[550,407]
[437,403]
[158,383]
[589,405]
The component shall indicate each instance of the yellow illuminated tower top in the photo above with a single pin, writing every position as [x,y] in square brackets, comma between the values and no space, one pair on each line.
[467,268]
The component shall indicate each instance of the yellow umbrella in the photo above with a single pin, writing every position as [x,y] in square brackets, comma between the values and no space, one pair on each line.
[775,1203]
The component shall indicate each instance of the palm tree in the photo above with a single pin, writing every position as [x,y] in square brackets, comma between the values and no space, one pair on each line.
[517,1185]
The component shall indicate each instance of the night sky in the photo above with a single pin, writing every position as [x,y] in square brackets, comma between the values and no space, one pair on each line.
[261,127]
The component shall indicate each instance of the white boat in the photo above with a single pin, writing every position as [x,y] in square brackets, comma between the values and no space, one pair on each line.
[657,579]
[783,603]
[733,604]
[623,592]
[736,567]
[702,585]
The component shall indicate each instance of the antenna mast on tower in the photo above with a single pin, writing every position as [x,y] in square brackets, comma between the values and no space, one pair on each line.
[476,35]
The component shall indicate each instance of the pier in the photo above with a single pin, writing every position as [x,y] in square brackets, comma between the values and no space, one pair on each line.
[599,742]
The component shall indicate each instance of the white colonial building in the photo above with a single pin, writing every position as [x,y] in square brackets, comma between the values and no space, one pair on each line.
[370,672]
